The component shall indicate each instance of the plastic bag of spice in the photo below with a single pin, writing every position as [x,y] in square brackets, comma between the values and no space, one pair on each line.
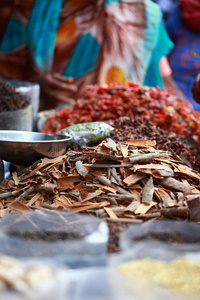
[71,239]
[156,279]
[175,236]
[15,109]
[32,91]
[107,283]
[20,119]
[160,254]
[31,280]
[86,134]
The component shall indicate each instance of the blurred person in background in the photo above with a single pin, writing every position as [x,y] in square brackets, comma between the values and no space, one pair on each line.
[64,45]
[196,89]
[183,27]
[167,7]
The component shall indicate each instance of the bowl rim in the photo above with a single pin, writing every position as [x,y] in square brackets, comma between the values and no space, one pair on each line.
[61,137]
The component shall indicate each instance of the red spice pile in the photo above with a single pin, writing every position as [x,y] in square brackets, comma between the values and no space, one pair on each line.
[110,102]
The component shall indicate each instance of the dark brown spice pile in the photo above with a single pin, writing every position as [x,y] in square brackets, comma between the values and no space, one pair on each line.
[11,100]
[136,128]
[47,235]
[171,237]
[115,230]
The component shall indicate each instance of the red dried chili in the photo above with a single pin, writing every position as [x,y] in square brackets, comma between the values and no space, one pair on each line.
[105,102]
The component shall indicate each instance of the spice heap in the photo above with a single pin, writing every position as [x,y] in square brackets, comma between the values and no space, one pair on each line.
[129,182]
[110,102]
[181,275]
[10,100]
[131,128]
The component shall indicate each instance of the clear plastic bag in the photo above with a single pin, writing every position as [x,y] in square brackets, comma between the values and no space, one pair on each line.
[107,283]
[31,280]
[174,236]
[85,134]
[151,256]
[74,240]
[32,91]
[20,119]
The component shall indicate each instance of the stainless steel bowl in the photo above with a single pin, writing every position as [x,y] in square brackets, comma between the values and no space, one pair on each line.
[25,147]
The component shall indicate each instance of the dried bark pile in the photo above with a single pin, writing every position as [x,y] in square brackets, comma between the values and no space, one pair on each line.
[129,182]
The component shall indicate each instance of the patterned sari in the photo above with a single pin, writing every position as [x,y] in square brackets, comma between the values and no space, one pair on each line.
[66,45]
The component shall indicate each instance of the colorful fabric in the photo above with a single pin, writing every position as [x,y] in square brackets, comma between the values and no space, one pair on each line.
[153,76]
[167,7]
[190,12]
[184,59]
[90,41]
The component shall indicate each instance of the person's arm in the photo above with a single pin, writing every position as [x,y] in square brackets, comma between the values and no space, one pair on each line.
[168,80]
[196,89]
[56,89]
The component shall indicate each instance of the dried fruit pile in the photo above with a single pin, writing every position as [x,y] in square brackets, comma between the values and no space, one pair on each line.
[110,102]
[10,100]
[130,182]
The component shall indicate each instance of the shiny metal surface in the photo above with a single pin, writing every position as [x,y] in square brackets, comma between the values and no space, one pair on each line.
[1,170]
[25,147]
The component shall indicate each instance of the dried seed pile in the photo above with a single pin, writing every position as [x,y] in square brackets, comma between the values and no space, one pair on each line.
[126,182]
[131,128]
[10,100]
[181,275]
[110,102]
